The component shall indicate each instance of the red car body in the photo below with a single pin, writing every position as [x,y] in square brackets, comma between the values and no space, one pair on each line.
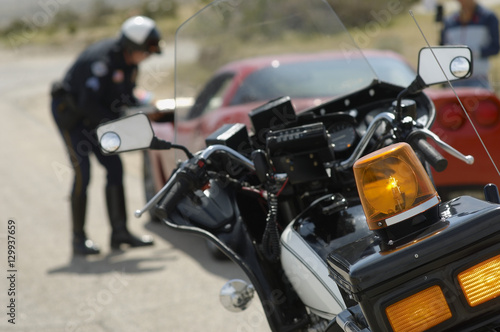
[450,125]
[453,127]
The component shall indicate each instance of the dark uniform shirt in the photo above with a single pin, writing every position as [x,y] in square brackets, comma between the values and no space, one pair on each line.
[481,35]
[101,82]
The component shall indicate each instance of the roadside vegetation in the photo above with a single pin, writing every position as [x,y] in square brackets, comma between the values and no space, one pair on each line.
[380,24]
[63,27]
[58,25]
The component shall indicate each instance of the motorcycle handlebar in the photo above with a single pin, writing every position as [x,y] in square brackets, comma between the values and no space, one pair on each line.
[372,128]
[430,154]
[468,159]
[419,143]
[179,190]
[156,198]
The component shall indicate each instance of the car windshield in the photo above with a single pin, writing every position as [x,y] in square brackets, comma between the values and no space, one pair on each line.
[392,70]
[318,78]
[297,80]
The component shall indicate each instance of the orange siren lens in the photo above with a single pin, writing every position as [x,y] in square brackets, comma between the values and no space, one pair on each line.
[393,186]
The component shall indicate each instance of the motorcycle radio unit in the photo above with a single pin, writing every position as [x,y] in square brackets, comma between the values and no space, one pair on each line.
[300,150]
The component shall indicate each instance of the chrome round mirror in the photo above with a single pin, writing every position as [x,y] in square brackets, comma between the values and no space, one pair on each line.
[236,295]
[110,142]
[460,67]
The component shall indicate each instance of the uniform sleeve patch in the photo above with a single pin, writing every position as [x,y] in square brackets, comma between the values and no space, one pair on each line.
[99,68]
[93,83]
[118,76]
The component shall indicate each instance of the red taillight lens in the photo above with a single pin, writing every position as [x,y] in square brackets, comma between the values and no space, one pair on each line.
[451,116]
[486,113]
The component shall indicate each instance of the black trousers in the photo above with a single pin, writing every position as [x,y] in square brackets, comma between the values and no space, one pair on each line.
[81,143]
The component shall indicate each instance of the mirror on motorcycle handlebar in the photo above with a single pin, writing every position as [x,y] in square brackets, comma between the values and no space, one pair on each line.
[110,142]
[453,61]
[126,134]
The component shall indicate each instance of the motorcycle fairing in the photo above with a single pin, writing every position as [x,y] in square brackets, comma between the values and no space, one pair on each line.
[469,234]
[306,242]
[308,274]
[283,307]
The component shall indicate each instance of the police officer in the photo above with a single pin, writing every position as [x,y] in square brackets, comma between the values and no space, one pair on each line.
[96,89]
[477,27]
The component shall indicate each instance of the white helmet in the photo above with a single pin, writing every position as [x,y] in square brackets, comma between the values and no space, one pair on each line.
[139,33]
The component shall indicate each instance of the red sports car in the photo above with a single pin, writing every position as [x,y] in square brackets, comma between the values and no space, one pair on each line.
[309,79]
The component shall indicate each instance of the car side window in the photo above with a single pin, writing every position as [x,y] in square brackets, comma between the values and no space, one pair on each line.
[212,96]
[217,98]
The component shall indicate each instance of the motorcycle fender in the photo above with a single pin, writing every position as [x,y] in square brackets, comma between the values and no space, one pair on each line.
[308,274]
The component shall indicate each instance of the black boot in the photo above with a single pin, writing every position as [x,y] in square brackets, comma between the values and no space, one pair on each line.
[81,245]
[115,199]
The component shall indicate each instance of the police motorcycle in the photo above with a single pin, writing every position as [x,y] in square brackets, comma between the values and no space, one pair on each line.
[331,212]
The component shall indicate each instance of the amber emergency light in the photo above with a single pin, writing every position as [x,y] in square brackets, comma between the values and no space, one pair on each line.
[393,186]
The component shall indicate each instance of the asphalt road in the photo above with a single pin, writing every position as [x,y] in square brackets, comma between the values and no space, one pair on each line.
[172,286]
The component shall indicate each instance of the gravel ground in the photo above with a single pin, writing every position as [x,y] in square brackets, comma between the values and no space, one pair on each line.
[172,286]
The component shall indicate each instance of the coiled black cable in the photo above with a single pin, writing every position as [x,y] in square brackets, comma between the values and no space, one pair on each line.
[271,238]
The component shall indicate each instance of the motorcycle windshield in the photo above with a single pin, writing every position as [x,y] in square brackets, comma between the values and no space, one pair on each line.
[245,52]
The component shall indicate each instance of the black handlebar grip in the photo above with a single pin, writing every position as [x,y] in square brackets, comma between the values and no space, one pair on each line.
[261,164]
[431,155]
[173,197]
[491,193]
